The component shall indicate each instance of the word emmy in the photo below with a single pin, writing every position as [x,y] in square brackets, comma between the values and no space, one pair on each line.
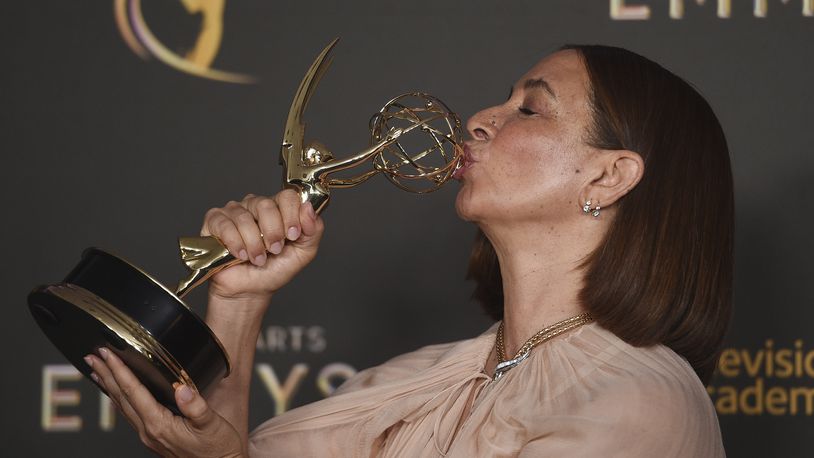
[61,395]
[772,380]
[60,404]
[621,10]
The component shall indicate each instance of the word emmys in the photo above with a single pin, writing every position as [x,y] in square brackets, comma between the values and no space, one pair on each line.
[63,408]
[621,10]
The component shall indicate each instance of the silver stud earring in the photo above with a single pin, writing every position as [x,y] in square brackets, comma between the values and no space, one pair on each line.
[593,211]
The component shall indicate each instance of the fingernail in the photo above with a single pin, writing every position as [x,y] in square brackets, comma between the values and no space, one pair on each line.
[185,394]
[260,260]
[95,377]
[89,361]
[276,248]
[311,211]
[293,233]
[104,352]
[243,255]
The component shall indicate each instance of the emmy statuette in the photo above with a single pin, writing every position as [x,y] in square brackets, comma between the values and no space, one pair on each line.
[415,142]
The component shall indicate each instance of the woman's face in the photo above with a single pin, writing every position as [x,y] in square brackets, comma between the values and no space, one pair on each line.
[525,155]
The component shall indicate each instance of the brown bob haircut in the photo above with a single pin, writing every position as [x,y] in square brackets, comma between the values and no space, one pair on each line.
[663,273]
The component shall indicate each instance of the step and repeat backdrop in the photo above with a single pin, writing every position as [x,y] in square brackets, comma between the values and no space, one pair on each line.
[123,121]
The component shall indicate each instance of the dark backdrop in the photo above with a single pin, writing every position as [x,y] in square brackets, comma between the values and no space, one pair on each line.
[104,148]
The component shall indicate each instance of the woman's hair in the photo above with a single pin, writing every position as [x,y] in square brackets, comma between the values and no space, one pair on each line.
[663,272]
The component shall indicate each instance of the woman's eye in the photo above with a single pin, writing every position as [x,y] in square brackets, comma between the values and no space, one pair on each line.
[526,111]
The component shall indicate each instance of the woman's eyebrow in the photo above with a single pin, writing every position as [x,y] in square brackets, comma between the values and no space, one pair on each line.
[539,83]
[536,83]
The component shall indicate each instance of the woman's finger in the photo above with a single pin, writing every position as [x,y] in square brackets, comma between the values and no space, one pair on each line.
[202,432]
[289,202]
[267,213]
[218,224]
[124,407]
[249,232]
[104,378]
[137,395]
[311,224]
[137,402]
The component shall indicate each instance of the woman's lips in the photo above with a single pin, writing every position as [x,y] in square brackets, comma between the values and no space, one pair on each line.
[466,162]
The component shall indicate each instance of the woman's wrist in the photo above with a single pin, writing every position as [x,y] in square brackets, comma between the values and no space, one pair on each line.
[236,321]
[237,306]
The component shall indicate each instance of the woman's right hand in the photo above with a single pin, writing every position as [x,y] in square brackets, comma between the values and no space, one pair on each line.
[277,236]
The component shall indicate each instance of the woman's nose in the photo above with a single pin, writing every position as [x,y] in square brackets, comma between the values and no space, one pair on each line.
[483,124]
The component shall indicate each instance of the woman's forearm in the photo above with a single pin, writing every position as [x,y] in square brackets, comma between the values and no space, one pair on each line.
[236,322]
[280,235]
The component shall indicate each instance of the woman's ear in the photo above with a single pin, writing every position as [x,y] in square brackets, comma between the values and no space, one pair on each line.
[617,172]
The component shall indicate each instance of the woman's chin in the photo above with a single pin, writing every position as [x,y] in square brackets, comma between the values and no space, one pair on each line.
[463,205]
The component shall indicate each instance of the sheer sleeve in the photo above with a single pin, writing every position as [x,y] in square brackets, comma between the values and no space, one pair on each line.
[353,421]
[396,368]
[649,417]
[585,394]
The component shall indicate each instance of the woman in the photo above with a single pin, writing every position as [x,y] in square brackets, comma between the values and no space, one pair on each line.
[603,194]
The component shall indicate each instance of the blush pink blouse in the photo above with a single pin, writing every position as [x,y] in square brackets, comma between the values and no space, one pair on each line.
[583,394]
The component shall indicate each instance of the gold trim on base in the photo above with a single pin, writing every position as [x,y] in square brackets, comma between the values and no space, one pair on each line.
[124,327]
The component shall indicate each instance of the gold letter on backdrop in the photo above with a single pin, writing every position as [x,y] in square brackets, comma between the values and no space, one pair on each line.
[807,394]
[281,394]
[677,8]
[762,7]
[620,11]
[53,397]
[107,413]
[331,372]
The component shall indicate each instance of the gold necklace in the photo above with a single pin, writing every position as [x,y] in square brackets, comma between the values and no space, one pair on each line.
[549,332]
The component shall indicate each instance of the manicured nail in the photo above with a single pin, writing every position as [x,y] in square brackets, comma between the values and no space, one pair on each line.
[293,233]
[260,260]
[89,361]
[276,248]
[185,394]
[95,377]
[243,255]
[104,352]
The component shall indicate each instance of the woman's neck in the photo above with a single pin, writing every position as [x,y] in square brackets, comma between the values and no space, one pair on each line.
[541,275]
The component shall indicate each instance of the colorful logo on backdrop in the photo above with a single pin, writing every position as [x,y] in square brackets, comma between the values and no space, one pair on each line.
[197,61]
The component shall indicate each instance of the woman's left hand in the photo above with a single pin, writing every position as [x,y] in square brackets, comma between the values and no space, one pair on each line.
[203,433]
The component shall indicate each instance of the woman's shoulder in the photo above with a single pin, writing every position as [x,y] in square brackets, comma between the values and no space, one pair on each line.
[625,381]
[592,369]
[639,397]
[596,349]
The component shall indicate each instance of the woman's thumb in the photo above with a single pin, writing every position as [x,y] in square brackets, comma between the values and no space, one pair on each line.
[311,224]
[194,407]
